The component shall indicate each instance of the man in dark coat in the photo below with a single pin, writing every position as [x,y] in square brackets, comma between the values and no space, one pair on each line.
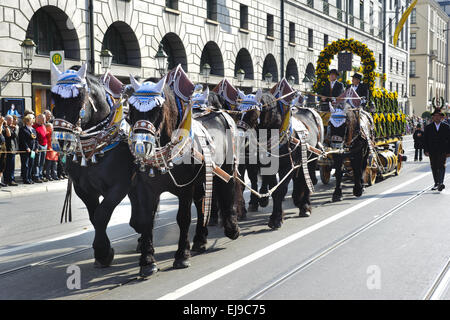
[332,89]
[418,137]
[361,89]
[437,147]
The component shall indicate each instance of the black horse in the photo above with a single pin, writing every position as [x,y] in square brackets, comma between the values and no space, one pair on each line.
[349,133]
[81,104]
[288,154]
[155,114]
[246,115]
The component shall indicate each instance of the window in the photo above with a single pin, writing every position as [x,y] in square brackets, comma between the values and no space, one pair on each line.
[412,68]
[172,4]
[403,67]
[114,42]
[350,7]
[413,16]
[244,16]
[413,41]
[45,33]
[270,32]
[380,61]
[403,89]
[361,10]
[390,86]
[310,38]
[391,64]
[291,32]
[211,9]
[397,67]
[325,40]
[413,90]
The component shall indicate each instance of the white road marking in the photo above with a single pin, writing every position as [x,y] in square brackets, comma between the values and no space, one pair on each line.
[261,253]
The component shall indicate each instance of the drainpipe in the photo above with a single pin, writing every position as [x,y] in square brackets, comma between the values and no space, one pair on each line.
[384,39]
[282,41]
[91,36]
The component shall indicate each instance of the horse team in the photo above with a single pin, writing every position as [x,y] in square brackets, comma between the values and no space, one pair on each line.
[195,145]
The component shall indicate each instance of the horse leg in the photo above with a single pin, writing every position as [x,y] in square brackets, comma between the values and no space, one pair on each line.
[103,252]
[276,219]
[226,198]
[337,195]
[253,175]
[356,163]
[267,182]
[312,171]
[301,195]
[214,218]
[201,231]
[240,201]
[183,253]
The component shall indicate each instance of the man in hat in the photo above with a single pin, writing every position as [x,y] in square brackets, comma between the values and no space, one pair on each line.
[360,88]
[332,89]
[437,147]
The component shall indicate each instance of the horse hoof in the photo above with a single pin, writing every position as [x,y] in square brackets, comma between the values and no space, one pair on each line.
[253,207]
[147,271]
[336,198]
[305,213]
[274,225]
[264,202]
[199,247]
[358,193]
[181,264]
[106,262]
[233,233]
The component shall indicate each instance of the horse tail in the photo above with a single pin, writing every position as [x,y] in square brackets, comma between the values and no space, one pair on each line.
[66,213]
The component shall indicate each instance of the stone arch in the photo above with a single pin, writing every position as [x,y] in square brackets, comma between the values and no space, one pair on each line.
[310,71]
[244,62]
[123,44]
[212,55]
[292,70]
[51,29]
[270,65]
[174,48]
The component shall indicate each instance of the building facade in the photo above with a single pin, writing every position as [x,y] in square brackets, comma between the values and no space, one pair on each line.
[283,38]
[429,71]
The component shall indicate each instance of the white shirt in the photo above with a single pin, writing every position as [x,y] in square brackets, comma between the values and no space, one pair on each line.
[332,83]
[437,126]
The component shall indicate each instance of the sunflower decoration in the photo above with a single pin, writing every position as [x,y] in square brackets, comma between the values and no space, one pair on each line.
[354,46]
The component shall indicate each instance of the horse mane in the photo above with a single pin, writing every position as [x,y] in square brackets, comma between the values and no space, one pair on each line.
[216,101]
[170,116]
[271,117]
[352,124]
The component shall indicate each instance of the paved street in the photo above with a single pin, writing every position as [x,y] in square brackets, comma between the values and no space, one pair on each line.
[392,243]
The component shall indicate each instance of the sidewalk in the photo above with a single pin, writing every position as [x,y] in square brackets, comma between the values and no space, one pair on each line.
[27,189]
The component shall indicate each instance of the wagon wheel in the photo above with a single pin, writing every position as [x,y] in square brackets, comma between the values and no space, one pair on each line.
[325,174]
[370,174]
[399,154]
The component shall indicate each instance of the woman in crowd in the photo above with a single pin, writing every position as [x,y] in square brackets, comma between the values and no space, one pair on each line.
[51,158]
[28,146]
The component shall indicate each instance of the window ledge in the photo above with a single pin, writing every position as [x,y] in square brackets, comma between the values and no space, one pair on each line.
[213,22]
[173,11]
[292,44]
[244,30]
[270,38]
[310,49]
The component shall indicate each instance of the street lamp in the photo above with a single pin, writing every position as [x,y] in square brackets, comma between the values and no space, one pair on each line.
[308,83]
[291,80]
[161,59]
[240,74]
[206,71]
[28,48]
[106,59]
[268,77]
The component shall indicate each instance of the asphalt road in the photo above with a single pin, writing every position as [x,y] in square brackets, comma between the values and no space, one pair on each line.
[392,243]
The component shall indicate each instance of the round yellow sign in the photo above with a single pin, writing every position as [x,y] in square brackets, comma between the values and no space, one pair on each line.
[57,59]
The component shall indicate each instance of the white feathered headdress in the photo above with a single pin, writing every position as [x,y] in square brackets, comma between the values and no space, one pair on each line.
[69,82]
[148,95]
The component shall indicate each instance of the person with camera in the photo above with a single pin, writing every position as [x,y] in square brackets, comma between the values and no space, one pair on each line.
[10,132]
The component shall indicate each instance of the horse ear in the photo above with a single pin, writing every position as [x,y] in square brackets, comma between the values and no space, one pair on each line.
[136,85]
[56,70]
[160,85]
[206,93]
[259,95]
[241,94]
[83,71]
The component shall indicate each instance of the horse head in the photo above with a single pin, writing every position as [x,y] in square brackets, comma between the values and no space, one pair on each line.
[80,102]
[341,125]
[153,115]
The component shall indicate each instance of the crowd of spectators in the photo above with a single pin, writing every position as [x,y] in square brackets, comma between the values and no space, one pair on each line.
[30,138]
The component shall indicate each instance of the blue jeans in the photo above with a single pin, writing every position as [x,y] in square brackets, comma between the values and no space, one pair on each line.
[27,166]
[38,169]
[9,168]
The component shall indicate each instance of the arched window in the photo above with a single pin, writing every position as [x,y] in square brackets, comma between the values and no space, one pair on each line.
[174,48]
[270,66]
[49,29]
[123,44]
[244,62]
[211,55]
[292,70]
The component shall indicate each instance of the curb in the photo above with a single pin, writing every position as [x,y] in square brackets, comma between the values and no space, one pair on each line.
[12,192]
